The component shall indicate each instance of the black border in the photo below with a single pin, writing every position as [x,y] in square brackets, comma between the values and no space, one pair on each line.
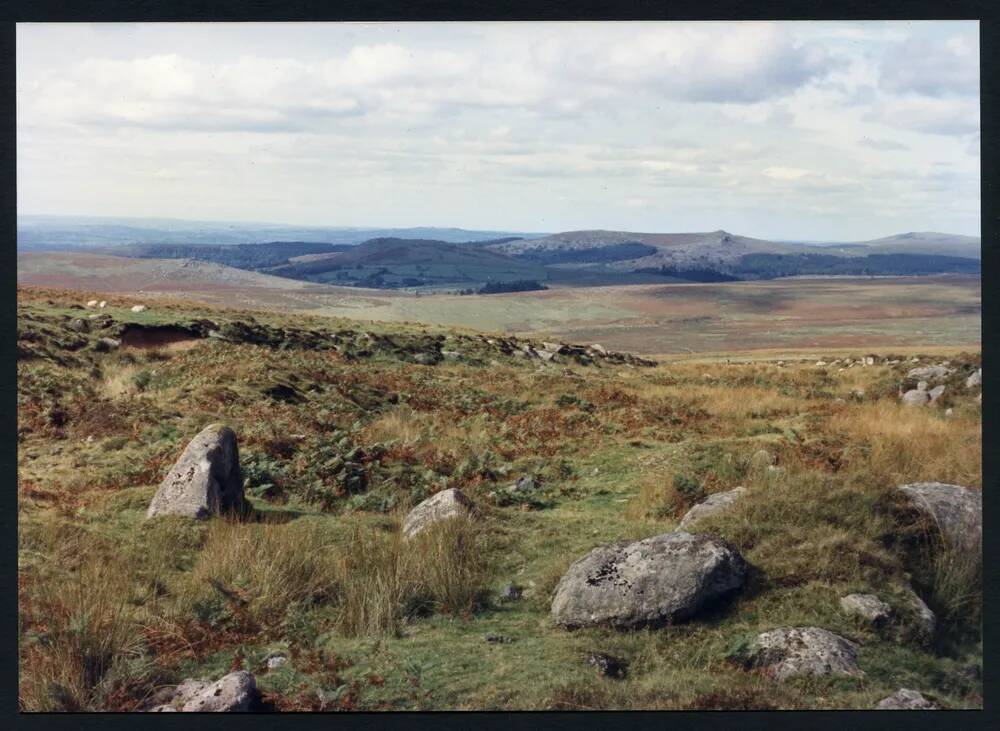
[427,10]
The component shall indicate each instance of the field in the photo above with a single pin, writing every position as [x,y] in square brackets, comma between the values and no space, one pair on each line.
[338,444]
[780,316]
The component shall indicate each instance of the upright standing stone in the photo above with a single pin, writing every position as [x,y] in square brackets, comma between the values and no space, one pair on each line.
[205,480]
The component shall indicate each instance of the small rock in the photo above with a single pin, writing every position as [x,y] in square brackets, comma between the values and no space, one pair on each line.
[783,653]
[820,363]
[922,386]
[138,308]
[78,324]
[91,303]
[608,666]
[867,606]
[905,699]
[924,619]
[712,505]
[451,503]
[523,485]
[599,348]
[232,693]
[105,345]
[102,304]
[498,639]
[510,593]
[949,412]
[915,398]
[869,361]
[935,393]
[276,661]
[976,379]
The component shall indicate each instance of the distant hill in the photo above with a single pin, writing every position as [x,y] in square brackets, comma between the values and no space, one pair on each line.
[715,255]
[35,232]
[926,242]
[396,262]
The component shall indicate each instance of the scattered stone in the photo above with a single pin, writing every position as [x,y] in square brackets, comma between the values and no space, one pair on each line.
[427,359]
[761,459]
[276,661]
[648,583]
[936,393]
[78,324]
[922,386]
[820,363]
[233,693]
[949,412]
[979,399]
[858,394]
[712,505]
[915,397]
[511,593]
[956,510]
[205,480]
[451,503]
[608,665]
[91,303]
[524,485]
[599,348]
[924,619]
[869,361]
[548,355]
[498,639]
[138,308]
[867,606]
[783,653]
[976,379]
[106,345]
[930,373]
[553,347]
[905,699]
[102,304]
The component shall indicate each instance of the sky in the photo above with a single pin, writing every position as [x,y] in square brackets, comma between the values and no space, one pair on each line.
[808,130]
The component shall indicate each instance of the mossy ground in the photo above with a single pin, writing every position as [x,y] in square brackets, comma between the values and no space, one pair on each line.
[335,460]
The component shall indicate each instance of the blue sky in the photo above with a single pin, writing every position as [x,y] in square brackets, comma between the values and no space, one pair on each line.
[815,130]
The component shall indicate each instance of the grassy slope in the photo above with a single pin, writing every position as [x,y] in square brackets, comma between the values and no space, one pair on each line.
[113,607]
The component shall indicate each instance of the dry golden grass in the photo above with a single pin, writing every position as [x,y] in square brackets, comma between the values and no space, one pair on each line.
[384,579]
[262,569]
[902,444]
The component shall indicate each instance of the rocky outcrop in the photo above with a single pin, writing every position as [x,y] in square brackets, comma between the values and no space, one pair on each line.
[932,373]
[905,699]
[446,504]
[956,511]
[664,579]
[205,480]
[868,607]
[235,692]
[713,504]
[783,653]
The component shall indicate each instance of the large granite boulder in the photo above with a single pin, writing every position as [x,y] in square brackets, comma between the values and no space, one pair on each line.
[659,580]
[235,692]
[710,506]
[957,511]
[783,653]
[205,480]
[451,503]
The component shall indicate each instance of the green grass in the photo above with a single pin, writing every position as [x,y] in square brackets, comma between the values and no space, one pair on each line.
[113,607]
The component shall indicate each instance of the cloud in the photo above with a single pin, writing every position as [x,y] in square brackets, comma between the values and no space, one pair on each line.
[926,66]
[877,144]
[953,116]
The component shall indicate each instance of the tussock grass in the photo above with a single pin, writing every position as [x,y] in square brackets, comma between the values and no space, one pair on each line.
[383,580]
[899,444]
[80,639]
[262,569]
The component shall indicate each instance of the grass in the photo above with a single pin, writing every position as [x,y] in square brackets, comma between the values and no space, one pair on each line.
[113,607]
